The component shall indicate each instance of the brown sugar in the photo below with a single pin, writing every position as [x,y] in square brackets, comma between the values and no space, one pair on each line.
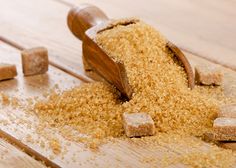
[228,145]
[225,129]
[55,146]
[34,61]
[160,90]
[208,75]
[5,99]
[138,124]
[7,71]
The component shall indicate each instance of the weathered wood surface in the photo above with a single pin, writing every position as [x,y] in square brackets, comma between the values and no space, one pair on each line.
[205,28]
[202,27]
[30,24]
[20,128]
[12,157]
[14,122]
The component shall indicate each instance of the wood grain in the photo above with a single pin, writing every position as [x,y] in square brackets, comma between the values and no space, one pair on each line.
[83,17]
[48,28]
[83,21]
[65,50]
[204,27]
[200,27]
[13,120]
[12,157]
[182,58]
[51,62]
[20,128]
[120,153]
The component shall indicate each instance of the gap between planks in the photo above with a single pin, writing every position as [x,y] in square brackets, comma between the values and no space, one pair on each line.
[37,156]
[85,79]
[34,154]
[69,72]
[206,56]
[69,4]
[13,138]
[13,157]
[52,63]
[114,151]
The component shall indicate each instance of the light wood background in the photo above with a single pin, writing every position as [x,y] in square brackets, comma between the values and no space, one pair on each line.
[203,29]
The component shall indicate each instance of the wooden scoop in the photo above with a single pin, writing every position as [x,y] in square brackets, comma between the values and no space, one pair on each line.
[85,21]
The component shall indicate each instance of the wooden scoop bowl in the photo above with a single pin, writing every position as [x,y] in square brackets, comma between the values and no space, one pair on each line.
[85,21]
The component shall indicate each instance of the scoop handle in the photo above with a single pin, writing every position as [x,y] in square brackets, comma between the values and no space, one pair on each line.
[83,17]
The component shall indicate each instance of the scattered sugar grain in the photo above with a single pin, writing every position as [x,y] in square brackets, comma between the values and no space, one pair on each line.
[160,90]
[5,99]
[55,146]
[42,144]
[29,138]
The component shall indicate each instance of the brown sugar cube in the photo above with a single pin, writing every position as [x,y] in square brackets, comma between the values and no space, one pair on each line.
[34,61]
[228,111]
[138,124]
[7,71]
[228,145]
[224,129]
[208,75]
[209,137]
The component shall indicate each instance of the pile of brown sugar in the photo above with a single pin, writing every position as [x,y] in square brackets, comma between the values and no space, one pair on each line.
[160,89]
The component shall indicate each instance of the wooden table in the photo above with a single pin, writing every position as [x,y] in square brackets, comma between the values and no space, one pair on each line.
[205,31]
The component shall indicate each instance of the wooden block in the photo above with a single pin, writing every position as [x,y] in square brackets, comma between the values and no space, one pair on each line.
[208,75]
[225,129]
[138,124]
[228,111]
[7,71]
[35,61]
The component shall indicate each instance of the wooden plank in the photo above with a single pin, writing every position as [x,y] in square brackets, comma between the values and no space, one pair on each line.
[21,128]
[14,121]
[51,62]
[202,27]
[211,33]
[120,154]
[12,157]
[64,48]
